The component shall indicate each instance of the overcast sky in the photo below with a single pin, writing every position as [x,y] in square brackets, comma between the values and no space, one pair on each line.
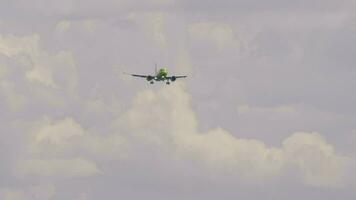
[267,111]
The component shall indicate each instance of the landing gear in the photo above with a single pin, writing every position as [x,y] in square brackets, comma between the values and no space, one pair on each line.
[168,82]
[152,82]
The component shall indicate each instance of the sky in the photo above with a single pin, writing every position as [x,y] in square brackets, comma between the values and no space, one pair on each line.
[267,110]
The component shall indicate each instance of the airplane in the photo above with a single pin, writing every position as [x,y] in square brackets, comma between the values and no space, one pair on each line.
[160,75]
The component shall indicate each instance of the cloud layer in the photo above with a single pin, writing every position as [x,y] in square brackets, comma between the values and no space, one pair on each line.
[267,110]
[220,151]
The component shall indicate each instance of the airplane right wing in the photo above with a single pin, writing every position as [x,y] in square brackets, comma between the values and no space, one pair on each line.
[141,76]
[138,75]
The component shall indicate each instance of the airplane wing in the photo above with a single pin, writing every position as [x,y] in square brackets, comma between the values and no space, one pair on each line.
[181,76]
[137,75]
[141,76]
[173,78]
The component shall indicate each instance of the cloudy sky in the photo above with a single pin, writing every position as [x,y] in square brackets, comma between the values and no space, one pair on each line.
[268,110]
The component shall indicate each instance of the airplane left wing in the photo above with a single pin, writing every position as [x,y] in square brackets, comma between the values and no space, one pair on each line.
[181,76]
[173,78]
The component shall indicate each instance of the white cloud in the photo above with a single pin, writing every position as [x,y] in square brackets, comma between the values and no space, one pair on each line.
[44,66]
[63,26]
[88,25]
[13,45]
[12,98]
[247,158]
[183,62]
[47,8]
[11,194]
[316,159]
[42,75]
[161,1]
[62,149]
[57,134]
[220,34]
[68,137]
[153,24]
[164,119]
[37,192]
[77,167]
[42,192]
[82,196]
[246,109]
[3,71]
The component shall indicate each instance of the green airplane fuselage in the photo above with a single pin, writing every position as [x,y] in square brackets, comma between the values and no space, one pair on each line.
[162,73]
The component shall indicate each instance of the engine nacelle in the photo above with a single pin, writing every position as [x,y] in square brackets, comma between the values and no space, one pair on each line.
[173,78]
[149,78]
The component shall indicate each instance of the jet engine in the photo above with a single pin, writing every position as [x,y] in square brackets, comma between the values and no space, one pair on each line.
[149,78]
[173,78]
